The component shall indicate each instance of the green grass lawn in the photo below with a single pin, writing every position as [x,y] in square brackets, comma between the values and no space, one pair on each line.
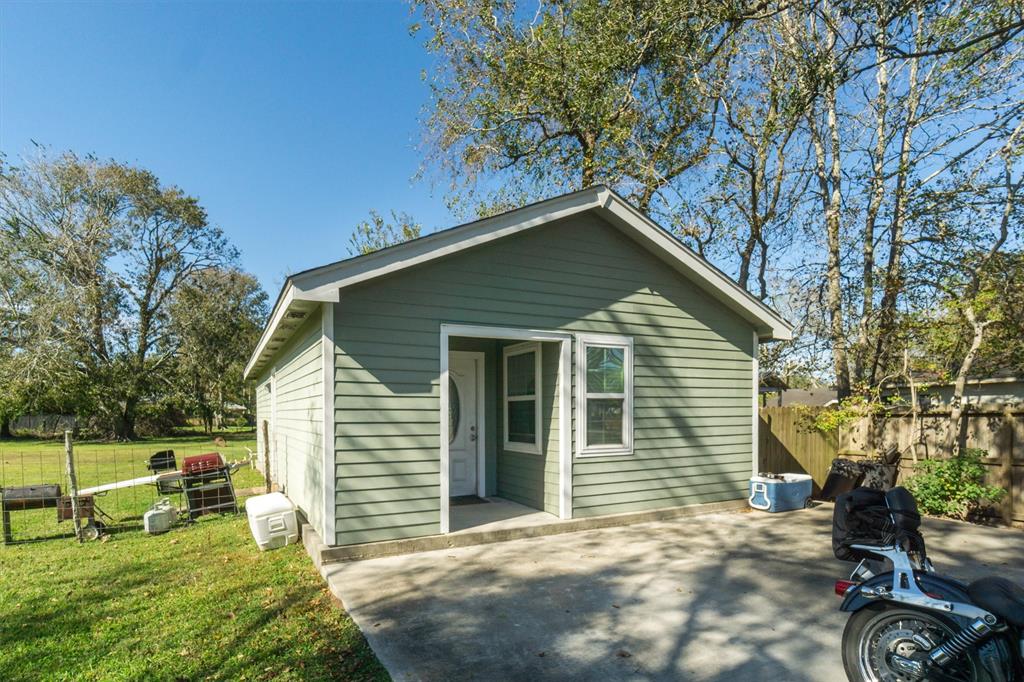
[200,602]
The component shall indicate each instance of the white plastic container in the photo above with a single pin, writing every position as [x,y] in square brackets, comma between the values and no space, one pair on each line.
[160,517]
[272,520]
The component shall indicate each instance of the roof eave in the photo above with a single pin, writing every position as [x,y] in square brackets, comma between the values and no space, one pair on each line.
[290,311]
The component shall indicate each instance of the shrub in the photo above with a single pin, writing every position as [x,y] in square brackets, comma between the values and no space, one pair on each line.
[953,487]
[831,419]
[158,418]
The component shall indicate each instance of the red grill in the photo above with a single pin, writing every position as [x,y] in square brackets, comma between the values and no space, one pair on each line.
[206,482]
[202,464]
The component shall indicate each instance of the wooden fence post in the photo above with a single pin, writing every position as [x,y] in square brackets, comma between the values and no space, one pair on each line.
[73,482]
[1005,451]
[6,522]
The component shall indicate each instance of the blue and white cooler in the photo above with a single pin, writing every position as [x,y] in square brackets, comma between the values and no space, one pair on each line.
[784,492]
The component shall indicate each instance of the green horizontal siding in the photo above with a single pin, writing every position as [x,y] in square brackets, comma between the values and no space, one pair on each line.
[550,432]
[295,413]
[692,367]
[521,478]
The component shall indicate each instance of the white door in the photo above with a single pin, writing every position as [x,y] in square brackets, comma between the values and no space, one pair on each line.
[463,425]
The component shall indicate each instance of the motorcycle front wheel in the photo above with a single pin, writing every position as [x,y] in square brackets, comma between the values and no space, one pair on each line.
[875,634]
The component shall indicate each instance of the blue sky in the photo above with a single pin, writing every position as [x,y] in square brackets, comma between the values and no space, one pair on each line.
[289,121]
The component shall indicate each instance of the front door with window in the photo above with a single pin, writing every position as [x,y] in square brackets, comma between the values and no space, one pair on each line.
[463,425]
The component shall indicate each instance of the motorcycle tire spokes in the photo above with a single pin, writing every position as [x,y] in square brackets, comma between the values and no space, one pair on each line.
[894,633]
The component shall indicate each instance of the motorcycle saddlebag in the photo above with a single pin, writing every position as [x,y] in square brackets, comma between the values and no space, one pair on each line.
[860,517]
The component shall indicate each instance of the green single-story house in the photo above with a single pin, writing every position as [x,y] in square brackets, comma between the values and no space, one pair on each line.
[570,356]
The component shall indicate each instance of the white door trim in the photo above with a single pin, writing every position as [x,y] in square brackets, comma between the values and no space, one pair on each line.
[481,428]
[564,404]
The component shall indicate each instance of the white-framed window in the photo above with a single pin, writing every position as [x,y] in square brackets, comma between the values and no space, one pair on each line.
[604,385]
[522,391]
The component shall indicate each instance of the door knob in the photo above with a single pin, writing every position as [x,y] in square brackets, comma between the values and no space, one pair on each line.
[472,433]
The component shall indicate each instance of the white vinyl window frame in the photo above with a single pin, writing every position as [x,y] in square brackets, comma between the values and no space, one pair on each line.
[583,342]
[512,351]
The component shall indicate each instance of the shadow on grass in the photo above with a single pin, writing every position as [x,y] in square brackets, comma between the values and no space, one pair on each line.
[197,603]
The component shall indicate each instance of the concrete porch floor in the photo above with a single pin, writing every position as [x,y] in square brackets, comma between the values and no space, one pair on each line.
[499,521]
[496,514]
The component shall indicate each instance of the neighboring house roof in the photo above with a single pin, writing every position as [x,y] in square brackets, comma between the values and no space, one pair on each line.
[932,381]
[798,396]
[304,291]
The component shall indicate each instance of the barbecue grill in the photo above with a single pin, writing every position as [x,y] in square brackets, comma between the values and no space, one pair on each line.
[162,461]
[49,496]
[206,481]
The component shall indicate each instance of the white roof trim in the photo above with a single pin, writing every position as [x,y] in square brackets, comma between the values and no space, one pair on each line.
[323,284]
[769,324]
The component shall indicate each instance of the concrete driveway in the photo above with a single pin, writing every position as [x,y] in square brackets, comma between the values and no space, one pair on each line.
[733,596]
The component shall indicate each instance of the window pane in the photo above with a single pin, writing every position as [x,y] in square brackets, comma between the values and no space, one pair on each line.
[522,425]
[604,421]
[454,409]
[605,370]
[520,374]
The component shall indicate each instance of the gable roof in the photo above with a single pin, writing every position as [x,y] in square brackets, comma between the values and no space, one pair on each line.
[305,291]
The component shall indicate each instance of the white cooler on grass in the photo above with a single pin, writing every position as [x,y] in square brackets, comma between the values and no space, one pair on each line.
[272,520]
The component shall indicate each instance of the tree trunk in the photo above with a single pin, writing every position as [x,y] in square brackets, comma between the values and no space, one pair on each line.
[746,255]
[588,145]
[219,416]
[762,279]
[835,275]
[894,267]
[829,177]
[756,171]
[5,427]
[877,194]
[124,423]
[954,442]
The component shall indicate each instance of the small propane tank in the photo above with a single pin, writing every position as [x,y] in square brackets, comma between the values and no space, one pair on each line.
[160,517]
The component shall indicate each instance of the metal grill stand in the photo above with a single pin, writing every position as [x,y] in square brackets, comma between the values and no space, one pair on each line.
[209,492]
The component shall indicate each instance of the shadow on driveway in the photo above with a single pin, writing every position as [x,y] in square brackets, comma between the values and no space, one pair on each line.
[720,597]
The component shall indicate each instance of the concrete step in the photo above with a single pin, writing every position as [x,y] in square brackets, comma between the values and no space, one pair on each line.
[323,554]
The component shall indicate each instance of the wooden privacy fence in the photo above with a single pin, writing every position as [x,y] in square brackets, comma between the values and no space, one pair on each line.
[788,445]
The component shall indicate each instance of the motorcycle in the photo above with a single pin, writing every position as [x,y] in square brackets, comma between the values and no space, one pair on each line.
[907,622]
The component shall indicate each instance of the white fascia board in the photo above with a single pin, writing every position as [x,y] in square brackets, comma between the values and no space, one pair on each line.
[769,325]
[289,295]
[441,244]
[280,310]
